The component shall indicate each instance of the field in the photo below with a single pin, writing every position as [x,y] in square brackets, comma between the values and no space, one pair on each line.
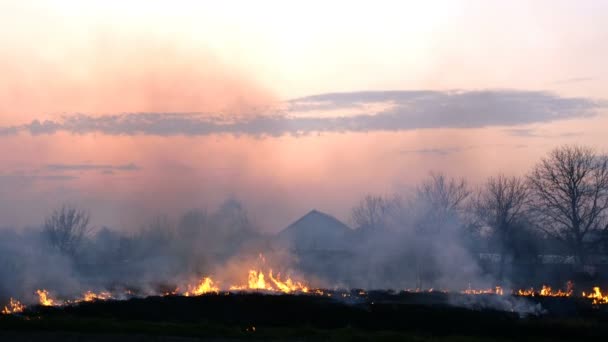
[343,316]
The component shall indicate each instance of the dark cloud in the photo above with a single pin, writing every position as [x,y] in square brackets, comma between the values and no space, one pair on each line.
[405,110]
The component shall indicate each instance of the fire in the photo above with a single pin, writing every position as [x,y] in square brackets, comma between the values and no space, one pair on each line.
[44,299]
[547,291]
[597,296]
[256,280]
[13,307]
[527,293]
[90,296]
[497,291]
[288,285]
[204,286]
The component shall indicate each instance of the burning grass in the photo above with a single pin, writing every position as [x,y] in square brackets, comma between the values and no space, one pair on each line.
[268,282]
[13,307]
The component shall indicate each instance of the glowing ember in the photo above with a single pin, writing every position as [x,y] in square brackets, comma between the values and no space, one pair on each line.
[497,291]
[13,307]
[527,293]
[547,291]
[90,296]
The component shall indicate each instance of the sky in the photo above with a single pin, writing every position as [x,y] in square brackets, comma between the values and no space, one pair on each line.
[144,108]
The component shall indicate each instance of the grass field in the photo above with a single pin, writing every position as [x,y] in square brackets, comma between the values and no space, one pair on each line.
[293,318]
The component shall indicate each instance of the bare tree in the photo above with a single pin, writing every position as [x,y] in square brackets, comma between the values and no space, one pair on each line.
[438,201]
[570,188]
[500,204]
[434,208]
[372,212]
[66,229]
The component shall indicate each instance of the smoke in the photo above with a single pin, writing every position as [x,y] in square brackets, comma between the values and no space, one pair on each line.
[522,306]
[163,255]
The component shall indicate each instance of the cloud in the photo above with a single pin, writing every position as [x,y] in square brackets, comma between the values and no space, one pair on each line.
[21,178]
[92,167]
[523,132]
[410,110]
[437,151]
[532,133]
[58,177]
[574,80]
[8,130]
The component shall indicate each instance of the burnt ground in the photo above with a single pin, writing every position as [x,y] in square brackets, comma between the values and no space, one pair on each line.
[345,316]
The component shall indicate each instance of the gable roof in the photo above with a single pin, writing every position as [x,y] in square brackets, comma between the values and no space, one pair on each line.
[316,231]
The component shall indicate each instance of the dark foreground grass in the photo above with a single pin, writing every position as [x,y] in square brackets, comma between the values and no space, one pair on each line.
[292,318]
[78,329]
[87,329]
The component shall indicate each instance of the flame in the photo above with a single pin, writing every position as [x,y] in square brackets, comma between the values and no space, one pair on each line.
[204,286]
[256,280]
[497,291]
[527,292]
[90,296]
[44,299]
[288,285]
[547,291]
[13,307]
[597,296]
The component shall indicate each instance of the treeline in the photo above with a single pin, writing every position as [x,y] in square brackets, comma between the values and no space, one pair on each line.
[559,207]
[431,237]
[69,256]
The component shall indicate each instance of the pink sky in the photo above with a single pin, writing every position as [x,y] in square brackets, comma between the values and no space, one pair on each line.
[237,62]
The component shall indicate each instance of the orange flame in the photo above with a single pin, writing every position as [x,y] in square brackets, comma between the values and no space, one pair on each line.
[13,307]
[547,291]
[44,299]
[597,296]
[256,280]
[90,296]
[204,286]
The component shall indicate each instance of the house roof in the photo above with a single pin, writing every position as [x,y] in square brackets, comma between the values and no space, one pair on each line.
[316,230]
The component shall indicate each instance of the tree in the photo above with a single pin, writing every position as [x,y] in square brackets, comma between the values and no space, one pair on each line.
[438,201]
[372,212]
[570,198]
[434,214]
[500,205]
[66,229]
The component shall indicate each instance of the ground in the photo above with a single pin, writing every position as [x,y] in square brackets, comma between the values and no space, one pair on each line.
[377,317]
